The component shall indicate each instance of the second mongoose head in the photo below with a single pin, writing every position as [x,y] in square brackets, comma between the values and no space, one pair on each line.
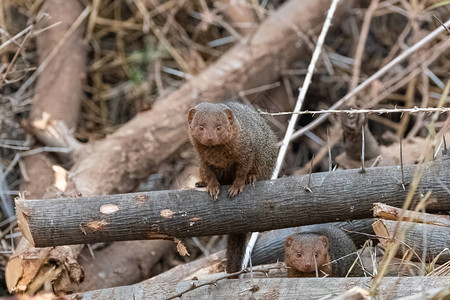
[211,124]
[304,251]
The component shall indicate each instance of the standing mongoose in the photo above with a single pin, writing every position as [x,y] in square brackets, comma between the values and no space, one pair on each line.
[235,146]
[318,247]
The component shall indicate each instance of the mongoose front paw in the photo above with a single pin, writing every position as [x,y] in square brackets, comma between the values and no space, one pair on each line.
[213,190]
[235,189]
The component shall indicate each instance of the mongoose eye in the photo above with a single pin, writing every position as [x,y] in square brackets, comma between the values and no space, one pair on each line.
[218,127]
[299,254]
[201,127]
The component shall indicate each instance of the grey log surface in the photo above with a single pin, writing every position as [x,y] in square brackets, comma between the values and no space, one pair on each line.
[269,288]
[281,203]
[432,239]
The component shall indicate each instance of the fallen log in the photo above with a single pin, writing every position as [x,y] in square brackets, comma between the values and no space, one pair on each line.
[268,288]
[393,213]
[418,237]
[280,203]
[112,266]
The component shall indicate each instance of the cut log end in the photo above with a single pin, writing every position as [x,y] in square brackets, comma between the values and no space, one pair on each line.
[14,274]
[22,217]
[381,231]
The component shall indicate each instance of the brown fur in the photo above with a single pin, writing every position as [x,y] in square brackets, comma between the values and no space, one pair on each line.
[321,244]
[235,146]
[303,252]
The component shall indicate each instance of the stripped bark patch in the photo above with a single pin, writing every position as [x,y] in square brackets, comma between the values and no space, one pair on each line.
[60,177]
[166,213]
[141,199]
[109,209]
[181,248]
[97,225]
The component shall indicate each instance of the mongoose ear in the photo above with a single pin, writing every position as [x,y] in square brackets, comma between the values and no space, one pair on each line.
[191,114]
[324,240]
[289,240]
[230,116]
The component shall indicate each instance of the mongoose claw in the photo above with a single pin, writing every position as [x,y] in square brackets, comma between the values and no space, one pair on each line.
[235,190]
[251,179]
[200,184]
[213,191]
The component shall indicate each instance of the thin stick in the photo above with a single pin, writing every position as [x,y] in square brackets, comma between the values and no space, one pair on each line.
[298,107]
[16,37]
[308,186]
[3,79]
[330,162]
[401,163]
[7,205]
[214,281]
[362,42]
[372,78]
[362,150]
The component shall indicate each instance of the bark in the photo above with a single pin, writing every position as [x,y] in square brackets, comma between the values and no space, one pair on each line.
[59,88]
[280,203]
[418,237]
[240,13]
[39,175]
[393,213]
[439,293]
[269,288]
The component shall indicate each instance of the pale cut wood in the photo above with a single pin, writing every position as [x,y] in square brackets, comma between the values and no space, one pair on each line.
[418,237]
[281,203]
[388,212]
[269,288]
[355,293]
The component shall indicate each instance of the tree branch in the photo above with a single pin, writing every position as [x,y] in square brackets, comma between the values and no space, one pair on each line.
[286,202]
